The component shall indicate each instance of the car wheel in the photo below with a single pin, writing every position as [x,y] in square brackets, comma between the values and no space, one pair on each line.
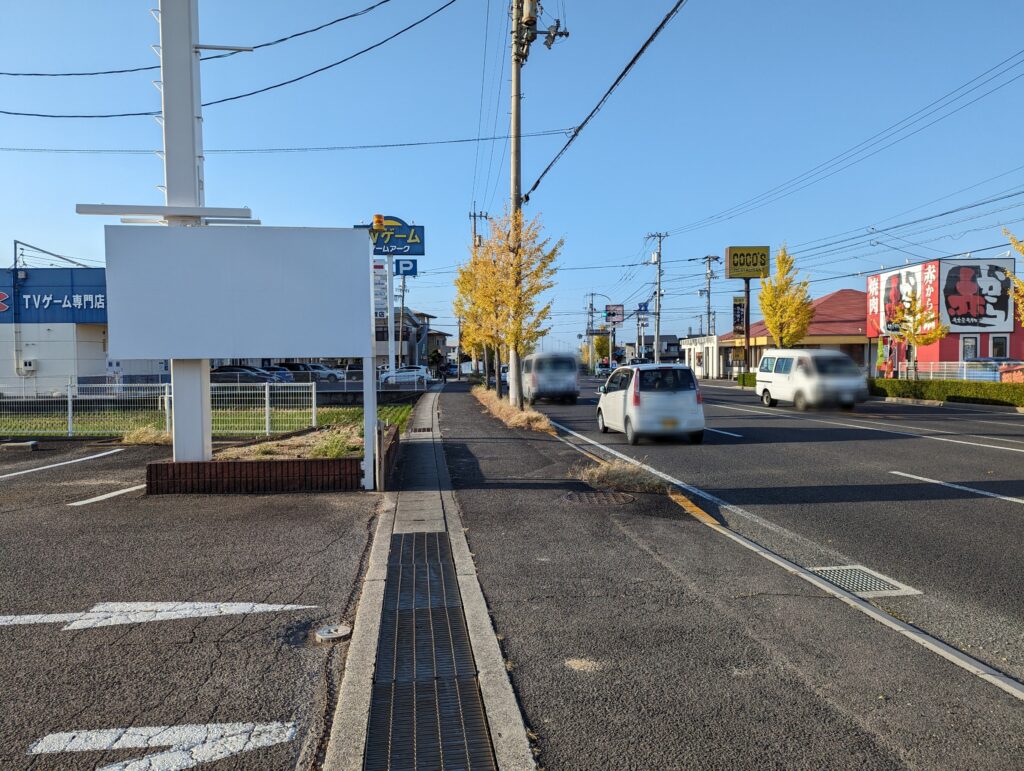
[848,406]
[800,401]
[332,378]
[767,400]
[600,422]
[631,436]
[697,437]
[573,399]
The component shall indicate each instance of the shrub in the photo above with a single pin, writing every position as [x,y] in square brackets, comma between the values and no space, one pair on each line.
[146,435]
[747,379]
[509,415]
[1011,394]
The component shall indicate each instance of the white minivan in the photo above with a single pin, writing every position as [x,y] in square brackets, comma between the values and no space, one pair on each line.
[652,400]
[810,378]
[554,376]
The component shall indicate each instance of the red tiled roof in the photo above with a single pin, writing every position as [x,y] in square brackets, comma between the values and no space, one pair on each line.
[843,312]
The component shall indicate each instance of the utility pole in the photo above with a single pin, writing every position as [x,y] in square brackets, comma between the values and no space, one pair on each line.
[473,217]
[657,297]
[401,326]
[706,292]
[524,31]
[590,334]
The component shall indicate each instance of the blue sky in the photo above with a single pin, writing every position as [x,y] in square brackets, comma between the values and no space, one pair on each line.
[735,97]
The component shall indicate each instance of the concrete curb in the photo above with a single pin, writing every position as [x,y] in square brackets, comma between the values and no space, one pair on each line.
[348,727]
[993,408]
[504,719]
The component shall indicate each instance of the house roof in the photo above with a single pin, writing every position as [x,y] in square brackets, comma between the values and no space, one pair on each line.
[438,332]
[843,312]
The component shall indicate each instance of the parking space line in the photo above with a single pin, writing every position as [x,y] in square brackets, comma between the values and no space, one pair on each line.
[62,463]
[955,656]
[865,427]
[974,490]
[719,431]
[108,495]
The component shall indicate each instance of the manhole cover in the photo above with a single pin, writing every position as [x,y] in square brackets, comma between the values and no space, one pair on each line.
[863,582]
[599,498]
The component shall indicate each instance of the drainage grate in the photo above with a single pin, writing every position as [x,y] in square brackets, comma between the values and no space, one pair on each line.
[437,724]
[422,645]
[416,548]
[426,585]
[598,498]
[421,430]
[863,582]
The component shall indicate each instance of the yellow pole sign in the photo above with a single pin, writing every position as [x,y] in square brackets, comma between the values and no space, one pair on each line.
[747,262]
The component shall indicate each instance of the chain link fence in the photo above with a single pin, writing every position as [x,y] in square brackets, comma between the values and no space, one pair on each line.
[114,409]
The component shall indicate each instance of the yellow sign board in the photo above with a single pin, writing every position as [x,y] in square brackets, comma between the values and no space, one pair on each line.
[747,262]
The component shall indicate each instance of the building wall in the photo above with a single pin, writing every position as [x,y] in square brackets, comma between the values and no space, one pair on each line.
[52,347]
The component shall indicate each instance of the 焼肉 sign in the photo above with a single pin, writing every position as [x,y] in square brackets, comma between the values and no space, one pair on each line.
[747,262]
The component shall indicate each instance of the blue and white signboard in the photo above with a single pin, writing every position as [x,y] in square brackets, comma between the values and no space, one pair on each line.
[398,238]
[53,296]
[405,267]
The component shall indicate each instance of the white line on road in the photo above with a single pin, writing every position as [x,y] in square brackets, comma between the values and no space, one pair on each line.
[62,463]
[959,487]
[727,433]
[864,427]
[187,745]
[951,654]
[108,495]
[115,613]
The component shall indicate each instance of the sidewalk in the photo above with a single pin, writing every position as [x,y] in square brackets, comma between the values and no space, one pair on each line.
[637,637]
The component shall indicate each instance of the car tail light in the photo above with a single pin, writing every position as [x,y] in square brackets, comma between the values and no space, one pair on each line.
[636,390]
[700,397]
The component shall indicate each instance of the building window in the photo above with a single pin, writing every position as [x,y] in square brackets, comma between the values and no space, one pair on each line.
[968,347]
[1000,346]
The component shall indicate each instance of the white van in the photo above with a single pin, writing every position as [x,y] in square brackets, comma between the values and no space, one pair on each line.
[553,376]
[810,378]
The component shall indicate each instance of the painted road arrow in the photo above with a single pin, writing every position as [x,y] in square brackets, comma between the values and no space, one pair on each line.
[114,613]
[187,745]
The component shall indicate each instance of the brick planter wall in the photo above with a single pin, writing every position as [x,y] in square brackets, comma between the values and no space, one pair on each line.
[254,476]
[388,461]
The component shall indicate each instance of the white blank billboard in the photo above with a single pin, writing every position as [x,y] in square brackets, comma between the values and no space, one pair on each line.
[238,292]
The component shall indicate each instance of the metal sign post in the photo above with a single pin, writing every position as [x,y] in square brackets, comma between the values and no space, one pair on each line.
[747,262]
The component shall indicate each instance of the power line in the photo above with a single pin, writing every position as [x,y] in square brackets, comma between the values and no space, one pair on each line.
[483,83]
[148,68]
[832,166]
[622,75]
[267,150]
[247,94]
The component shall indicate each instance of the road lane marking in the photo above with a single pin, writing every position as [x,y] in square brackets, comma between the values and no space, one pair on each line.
[865,427]
[727,433]
[953,655]
[116,613]
[974,490]
[692,508]
[62,463]
[108,495]
[187,745]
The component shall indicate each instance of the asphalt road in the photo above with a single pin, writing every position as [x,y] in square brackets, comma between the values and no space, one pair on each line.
[826,488]
[260,668]
[637,637]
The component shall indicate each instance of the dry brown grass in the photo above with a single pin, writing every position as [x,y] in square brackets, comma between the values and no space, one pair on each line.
[619,475]
[334,442]
[509,415]
[146,435]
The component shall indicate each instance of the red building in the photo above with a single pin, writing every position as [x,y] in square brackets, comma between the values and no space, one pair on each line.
[971,296]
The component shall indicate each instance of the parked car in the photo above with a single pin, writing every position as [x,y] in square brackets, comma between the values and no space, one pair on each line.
[308,372]
[407,374]
[284,375]
[810,378]
[602,370]
[231,373]
[324,372]
[652,400]
[552,376]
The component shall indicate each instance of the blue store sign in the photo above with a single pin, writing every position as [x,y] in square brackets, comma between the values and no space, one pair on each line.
[53,296]
[399,238]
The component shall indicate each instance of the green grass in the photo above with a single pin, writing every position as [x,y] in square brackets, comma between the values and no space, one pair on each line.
[225,422]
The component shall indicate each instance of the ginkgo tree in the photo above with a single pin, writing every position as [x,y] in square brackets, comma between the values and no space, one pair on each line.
[915,324]
[785,303]
[498,292]
[1016,282]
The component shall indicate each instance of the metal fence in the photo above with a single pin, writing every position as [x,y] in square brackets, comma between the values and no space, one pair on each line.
[955,370]
[113,409]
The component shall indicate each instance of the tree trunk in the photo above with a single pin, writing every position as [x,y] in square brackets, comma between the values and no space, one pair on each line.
[515,382]
[497,370]
[487,369]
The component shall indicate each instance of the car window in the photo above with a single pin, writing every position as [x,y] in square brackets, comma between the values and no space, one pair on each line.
[527,366]
[627,378]
[615,382]
[835,365]
[767,364]
[783,366]
[666,379]
[556,365]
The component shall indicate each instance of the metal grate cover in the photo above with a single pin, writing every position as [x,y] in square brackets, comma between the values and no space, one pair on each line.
[599,498]
[438,724]
[422,645]
[863,582]
[417,548]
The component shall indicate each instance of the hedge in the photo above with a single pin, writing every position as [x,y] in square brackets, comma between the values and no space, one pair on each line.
[747,379]
[1011,394]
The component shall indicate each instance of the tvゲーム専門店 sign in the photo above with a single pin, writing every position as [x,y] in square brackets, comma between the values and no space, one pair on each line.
[747,262]
[53,296]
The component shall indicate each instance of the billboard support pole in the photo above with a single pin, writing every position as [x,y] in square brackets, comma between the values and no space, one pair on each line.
[391,312]
[746,325]
[183,178]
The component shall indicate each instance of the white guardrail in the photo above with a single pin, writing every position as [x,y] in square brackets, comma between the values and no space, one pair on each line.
[953,370]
